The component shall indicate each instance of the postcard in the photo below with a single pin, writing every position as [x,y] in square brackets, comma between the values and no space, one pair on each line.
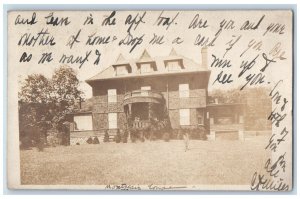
[150,100]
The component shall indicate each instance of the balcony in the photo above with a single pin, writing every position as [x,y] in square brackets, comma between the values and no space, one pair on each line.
[146,96]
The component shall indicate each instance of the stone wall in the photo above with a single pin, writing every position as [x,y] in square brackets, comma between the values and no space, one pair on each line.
[167,85]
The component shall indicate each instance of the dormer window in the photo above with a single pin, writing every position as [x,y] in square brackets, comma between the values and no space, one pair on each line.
[147,67]
[122,69]
[174,65]
[146,64]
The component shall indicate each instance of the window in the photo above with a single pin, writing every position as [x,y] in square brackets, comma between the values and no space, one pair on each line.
[112,120]
[83,122]
[144,90]
[122,70]
[112,95]
[184,115]
[146,68]
[173,65]
[184,90]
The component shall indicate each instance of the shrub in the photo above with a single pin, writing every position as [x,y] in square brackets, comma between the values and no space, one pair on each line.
[166,137]
[133,135]
[40,146]
[26,143]
[106,137]
[96,140]
[125,136]
[90,140]
[118,137]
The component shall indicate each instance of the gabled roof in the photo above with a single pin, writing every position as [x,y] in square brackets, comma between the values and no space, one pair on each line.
[145,57]
[109,73]
[120,59]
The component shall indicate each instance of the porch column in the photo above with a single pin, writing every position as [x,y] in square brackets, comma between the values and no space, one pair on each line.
[150,107]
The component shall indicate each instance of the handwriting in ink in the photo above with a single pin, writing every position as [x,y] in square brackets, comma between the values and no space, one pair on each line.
[177,40]
[130,20]
[89,20]
[157,39]
[96,62]
[232,42]
[25,57]
[275,28]
[132,41]
[252,25]
[267,63]
[276,117]
[75,59]
[223,78]
[123,187]
[254,45]
[220,63]
[45,57]
[56,21]
[225,25]
[206,41]
[277,166]
[275,140]
[198,23]
[260,182]
[109,20]
[277,97]
[277,53]
[42,38]
[166,21]
[94,39]
[31,21]
[254,79]
[246,65]
[73,39]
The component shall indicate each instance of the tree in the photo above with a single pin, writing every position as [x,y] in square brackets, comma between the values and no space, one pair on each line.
[65,93]
[44,103]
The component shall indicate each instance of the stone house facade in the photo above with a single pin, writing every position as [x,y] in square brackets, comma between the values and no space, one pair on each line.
[128,88]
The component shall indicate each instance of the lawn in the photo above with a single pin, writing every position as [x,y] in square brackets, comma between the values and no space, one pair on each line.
[161,163]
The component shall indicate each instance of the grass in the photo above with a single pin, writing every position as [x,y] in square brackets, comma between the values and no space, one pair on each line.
[160,163]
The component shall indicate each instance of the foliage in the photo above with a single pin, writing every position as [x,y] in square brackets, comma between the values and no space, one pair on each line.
[89,140]
[106,137]
[96,140]
[124,136]
[166,137]
[118,137]
[258,105]
[45,102]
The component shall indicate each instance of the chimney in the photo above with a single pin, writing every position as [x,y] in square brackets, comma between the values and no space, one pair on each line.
[204,57]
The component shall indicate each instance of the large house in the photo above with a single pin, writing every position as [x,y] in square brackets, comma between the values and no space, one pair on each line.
[143,88]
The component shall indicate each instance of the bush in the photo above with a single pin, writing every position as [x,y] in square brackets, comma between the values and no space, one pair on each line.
[166,137]
[133,135]
[125,136]
[106,137]
[96,140]
[40,146]
[90,140]
[118,137]
[26,143]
